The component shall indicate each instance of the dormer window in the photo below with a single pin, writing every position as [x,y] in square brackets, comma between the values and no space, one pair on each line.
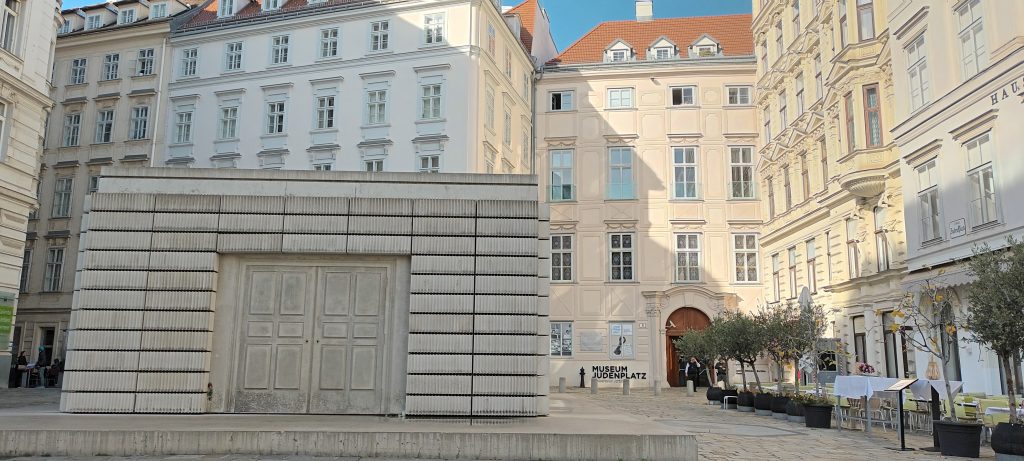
[65,28]
[620,56]
[94,21]
[271,5]
[126,16]
[663,53]
[662,49]
[619,51]
[705,51]
[227,8]
[705,47]
[158,10]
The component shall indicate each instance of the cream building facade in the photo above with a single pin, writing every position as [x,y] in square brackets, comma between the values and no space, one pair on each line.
[646,145]
[959,80]
[830,168]
[26,43]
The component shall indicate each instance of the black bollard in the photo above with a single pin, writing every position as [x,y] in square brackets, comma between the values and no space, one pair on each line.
[583,373]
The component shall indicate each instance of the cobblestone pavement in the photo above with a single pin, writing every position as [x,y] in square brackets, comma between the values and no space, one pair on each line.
[731,435]
[207,458]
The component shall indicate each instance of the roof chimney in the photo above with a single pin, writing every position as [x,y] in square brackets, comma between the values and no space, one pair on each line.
[644,10]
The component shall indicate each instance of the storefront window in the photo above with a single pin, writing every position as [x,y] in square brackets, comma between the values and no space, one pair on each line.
[620,340]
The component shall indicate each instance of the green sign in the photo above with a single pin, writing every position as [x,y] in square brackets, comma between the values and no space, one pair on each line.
[6,319]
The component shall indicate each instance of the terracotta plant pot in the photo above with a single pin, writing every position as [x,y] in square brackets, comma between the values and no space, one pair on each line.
[959,439]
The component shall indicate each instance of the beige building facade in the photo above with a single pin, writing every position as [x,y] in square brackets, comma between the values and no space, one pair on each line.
[646,147]
[26,42]
[111,66]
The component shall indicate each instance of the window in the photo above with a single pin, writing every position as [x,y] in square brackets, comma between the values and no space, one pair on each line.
[561,339]
[812,268]
[783,111]
[275,118]
[189,62]
[618,56]
[139,123]
[26,269]
[226,8]
[111,62]
[951,348]
[684,96]
[662,52]
[78,68]
[376,107]
[65,27]
[851,129]
[684,164]
[620,340]
[94,183]
[791,253]
[898,359]
[621,257]
[329,43]
[561,175]
[771,197]
[852,250]
[126,16]
[72,123]
[744,249]
[508,62]
[776,277]
[62,197]
[799,95]
[228,123]
[620,173]
[279,49]
[492,40]
[4,138]
[270,5]
[859,339]
[158,10]
[844,25]
[489,109]
[805,176]
[9,24]
[779,46]
[972,38]
[561,101]
[375,165]
[766,115]
[430,163]
[183,127]
[525,160]
[433,27]
[144,65]
[739,95]
[884,256]
[324,112]
[322,167]
[819,85]
[561,258]
[872,115]
[928,200]
[764,56]
[380,35]
[981,180]
[233,56]
[506,137]
[93,21]
[866,19]
[687,257]
[823,147]
[54,269]
[104,126]
[620,98]
[787,187]
[920,89]
[741,183]
[828,256]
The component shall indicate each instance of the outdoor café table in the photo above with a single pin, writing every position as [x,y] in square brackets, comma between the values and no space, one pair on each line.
[996,410]
[861,387]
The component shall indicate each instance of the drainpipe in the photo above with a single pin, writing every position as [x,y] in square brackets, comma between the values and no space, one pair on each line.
[159,98]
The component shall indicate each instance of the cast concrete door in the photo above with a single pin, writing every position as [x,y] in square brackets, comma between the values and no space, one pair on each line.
[312,340]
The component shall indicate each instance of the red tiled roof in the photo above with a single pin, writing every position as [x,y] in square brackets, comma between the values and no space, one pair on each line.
[527,12]
[731,31]
[254,8]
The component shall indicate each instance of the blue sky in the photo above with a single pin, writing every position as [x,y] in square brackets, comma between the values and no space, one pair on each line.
[573,18]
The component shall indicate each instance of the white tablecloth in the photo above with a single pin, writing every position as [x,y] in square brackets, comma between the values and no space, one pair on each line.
[857,386]
[922,389]
[994,410]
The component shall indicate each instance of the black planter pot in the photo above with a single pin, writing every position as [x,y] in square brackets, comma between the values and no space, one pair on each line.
[795,412]
[731,405]
[959,439]
[779,407]
[1008,439]
[818,417]
[714,394]
[763,404]
[745,401]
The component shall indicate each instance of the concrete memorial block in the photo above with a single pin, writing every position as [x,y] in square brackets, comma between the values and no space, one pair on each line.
[379,244]
[434,323]
[182,261]
[443,245]
[251,223]
[179,300]
[118,220]
[114,240]
[433,405]
[313,243]
[192,222]
[320,206]
[178,241]
[442,284]
[116,260]
[439,384]
[172,382]
[445,226]
[249,243]
[314,224]
[110,299]
[173,361]
[444,364]
[187,203]
[448,304]
[461,265]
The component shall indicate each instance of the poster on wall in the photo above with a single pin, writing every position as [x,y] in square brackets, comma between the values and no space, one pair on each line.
[620,340]
[6,320]
[591,341]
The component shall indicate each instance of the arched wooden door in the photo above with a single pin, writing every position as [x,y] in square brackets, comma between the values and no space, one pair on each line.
[683,319]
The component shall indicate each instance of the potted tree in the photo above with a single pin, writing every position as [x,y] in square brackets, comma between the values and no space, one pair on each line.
[935,322]
[701,343]
[995,317]
[817,411]
[746,341]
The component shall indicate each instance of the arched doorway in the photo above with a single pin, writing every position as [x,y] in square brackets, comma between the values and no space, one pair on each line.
[683,319]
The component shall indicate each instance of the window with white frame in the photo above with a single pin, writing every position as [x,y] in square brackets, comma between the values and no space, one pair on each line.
[183,127]
[920,88]
[791,252]
[226,8]
[618,55]
[770,185]
[766,115]
[981,180]
[228,123]
[620,340]
[94,183]
[620,257]
[54,269]
[9,25]
[741,170]
[72,126]
[65,27]
[562,187]
[324,112]
[787,187]
[430,101]
[796,18]
[561,258]
[883,258]
[972,38]
[374,165]
[144,64]
[489,107]
[744,249]
[321,167]
[93,21]
[270,5]
[279,49]
[157,11]
[810,258]
[139,123]
[844,24]
[26,269]
[4,137]
[866,19]
[687,257]
[684,169]
[776,277]
[819,88]
[189,62]
[376,107]
[104,126]
[506,137]
[62,191]
[561,101]
[780,48]
[275,117]
[329,42]
[799,94]
[492,40]
[662,52]
[783,111]
[429,163]
[111,64]
[620,98]
[928,200]
[233,56]
[78,70]
[380,32]
[561,339]
[740,95]
[620,173]
[852,249]
[873,116]
[684,96]
[126,16]
[433,28]
[508,62]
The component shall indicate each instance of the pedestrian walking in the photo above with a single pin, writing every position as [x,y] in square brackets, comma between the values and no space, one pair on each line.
[692,371]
